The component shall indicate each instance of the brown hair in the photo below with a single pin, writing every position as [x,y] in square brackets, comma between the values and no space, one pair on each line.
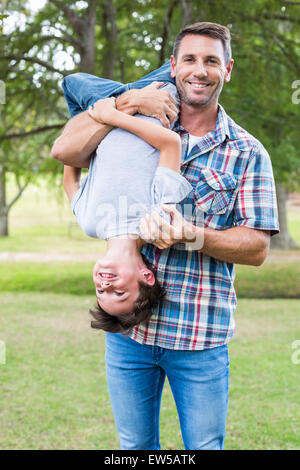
[148,299]
[213,30]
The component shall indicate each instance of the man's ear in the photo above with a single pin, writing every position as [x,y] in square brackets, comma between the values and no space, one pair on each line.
[173,66]
[228,71]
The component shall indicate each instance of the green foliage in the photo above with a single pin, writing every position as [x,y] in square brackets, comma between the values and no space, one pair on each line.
[132,38]
[124,40]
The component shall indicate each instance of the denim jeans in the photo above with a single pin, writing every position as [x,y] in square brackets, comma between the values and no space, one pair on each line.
[82,90]
[198,380]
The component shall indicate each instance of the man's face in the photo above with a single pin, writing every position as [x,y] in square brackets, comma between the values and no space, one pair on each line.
[200,70]
[117,284]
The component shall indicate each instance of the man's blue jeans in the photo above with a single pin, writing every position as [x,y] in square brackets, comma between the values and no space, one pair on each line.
[198,380]
[82,90]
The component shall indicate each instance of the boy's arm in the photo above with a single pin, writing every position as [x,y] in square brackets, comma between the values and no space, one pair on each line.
[82,134]
[165,140]
[71,180]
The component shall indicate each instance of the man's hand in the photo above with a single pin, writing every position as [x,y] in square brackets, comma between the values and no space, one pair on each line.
[163,235]
[150,101]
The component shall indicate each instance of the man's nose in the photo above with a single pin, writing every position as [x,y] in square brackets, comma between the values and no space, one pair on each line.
[200,69]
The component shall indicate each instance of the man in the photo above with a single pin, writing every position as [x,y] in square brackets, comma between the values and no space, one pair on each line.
[186,337]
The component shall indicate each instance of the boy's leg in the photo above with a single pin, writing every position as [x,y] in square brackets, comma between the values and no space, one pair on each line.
[199,383]
[82,90]
[135,384]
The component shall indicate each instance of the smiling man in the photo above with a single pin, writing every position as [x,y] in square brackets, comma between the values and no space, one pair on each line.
[186,338]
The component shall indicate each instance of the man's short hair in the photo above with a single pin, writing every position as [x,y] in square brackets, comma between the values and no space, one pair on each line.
[149,297]
[212,30]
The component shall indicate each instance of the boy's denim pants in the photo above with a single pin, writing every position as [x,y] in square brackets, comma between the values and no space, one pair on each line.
[136,372]
[82,90]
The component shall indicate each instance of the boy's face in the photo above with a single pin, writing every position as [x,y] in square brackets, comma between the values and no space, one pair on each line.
[117,284]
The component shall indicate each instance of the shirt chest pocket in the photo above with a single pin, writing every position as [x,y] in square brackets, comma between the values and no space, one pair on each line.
[214,191]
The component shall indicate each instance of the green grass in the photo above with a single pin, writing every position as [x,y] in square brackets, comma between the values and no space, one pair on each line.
[272,280]
[42,220]
[53,386]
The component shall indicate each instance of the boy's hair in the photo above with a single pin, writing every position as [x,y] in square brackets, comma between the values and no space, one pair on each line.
[205,28]
[148,299]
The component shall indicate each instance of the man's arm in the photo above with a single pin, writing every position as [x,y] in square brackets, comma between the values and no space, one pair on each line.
[82,134]
[80,137]
[240,245]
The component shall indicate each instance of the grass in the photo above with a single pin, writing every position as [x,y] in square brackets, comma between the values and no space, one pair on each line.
[53,386]
[54,392]
[42,221]
[273,280]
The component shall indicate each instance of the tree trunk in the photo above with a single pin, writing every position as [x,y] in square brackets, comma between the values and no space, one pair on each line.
[282,241]
[3,206]
[109,26]
[186,8]
[87,38]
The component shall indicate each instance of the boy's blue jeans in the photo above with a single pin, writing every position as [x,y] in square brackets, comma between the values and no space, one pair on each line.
[198,380]
[135,372]
[82,90]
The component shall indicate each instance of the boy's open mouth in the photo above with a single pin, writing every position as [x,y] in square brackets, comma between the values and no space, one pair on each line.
[107,275]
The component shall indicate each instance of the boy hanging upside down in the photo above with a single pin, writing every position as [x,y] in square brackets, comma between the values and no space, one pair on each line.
[134,171]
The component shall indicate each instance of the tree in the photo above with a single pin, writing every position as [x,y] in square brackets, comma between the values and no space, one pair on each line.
[124,40]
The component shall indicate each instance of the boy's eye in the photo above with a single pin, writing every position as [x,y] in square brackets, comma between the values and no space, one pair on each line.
[117,293]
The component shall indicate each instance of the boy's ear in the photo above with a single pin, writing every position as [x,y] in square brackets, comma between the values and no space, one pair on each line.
[148,277]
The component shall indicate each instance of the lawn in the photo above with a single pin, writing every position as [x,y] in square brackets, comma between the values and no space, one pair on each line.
[54,392]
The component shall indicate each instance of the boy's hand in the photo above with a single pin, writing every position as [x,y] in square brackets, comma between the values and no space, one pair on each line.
[103,110]
[163,235]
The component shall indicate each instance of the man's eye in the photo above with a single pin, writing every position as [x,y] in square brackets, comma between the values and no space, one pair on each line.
[100,291]
[188,59]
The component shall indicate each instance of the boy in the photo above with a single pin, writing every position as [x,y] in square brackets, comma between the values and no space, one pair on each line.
[127,179]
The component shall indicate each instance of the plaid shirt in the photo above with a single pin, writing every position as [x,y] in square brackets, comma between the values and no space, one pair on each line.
[233,185]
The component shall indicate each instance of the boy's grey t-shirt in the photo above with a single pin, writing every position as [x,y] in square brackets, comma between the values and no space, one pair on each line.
[124,183]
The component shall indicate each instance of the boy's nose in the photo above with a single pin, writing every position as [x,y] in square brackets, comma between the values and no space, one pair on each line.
[105,284]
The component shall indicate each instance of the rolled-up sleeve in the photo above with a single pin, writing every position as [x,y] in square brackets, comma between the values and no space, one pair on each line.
[256,205]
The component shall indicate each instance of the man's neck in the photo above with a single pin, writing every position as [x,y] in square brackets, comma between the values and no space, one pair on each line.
[199,120]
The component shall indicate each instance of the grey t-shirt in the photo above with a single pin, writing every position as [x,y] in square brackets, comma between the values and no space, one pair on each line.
[124,183]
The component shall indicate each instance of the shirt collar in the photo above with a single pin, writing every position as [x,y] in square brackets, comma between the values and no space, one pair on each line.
[209,140]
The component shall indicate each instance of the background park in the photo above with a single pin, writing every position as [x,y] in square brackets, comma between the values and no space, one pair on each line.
[52,375]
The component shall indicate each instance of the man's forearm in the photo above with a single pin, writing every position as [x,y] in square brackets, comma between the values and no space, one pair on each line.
[240,245]
[80,137]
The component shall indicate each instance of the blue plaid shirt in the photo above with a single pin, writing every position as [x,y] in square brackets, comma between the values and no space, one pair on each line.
[233,185]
